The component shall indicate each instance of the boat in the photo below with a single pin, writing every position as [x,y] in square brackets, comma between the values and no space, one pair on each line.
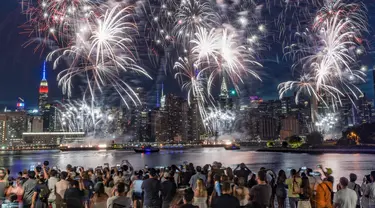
[146,149]
[232,146]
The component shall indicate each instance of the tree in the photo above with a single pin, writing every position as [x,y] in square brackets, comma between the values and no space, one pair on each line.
[284,144]
[314,138]
[270,143]
[295,141]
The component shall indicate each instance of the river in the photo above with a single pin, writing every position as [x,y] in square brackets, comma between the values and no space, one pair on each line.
[342,164]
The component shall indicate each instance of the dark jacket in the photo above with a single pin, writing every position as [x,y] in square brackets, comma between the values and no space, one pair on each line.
[225,201]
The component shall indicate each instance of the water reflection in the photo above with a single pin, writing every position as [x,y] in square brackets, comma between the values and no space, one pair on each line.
[342,164]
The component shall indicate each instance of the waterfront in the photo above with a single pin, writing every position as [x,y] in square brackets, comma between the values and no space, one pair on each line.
[342,164]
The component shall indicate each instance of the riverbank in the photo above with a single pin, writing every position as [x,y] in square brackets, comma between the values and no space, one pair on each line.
[322,150]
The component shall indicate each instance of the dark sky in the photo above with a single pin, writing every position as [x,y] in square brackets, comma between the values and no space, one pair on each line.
[20,67]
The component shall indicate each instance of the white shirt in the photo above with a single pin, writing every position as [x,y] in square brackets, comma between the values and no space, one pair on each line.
[364,199]
[355,187]
[346,198]
[370,192]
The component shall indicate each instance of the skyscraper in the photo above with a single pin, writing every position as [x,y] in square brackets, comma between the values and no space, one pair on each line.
[43,91]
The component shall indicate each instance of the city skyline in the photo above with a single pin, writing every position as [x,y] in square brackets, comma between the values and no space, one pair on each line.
[27,72]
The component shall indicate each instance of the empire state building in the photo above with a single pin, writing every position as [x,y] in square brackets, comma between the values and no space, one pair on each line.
[43,91]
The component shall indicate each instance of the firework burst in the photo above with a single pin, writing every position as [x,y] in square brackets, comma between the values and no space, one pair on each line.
[101,52]
[191,15]
[220,50]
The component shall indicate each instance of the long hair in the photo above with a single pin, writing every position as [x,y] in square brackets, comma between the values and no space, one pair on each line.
[306,187]
[200,187]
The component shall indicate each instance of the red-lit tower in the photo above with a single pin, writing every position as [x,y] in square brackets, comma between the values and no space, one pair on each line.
[43,91]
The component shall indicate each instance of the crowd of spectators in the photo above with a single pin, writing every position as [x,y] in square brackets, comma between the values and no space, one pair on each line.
[183,186]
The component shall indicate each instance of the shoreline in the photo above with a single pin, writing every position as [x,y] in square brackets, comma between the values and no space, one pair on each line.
[341,150]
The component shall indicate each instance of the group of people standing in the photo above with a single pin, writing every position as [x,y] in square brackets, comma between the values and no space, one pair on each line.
[185,186]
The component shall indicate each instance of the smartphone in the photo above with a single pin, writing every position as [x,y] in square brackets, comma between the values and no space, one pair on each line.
[32,167]
[106,164]
[118,165]
[54,168]
[315,173]
[146,167]
[39,163]
[303,168]
[319,166]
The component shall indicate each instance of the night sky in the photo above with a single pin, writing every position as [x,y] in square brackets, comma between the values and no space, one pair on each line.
[21,68]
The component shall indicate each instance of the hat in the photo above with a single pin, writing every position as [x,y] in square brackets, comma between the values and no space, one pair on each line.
[329,171]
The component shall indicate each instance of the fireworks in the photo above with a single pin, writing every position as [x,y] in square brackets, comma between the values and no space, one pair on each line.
[191,15]
[102,51]
[219,121]
[327,55]
[220,50]
[97,40]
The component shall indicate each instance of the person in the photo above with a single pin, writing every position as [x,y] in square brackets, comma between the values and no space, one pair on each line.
[200,194]
[3,183]
[241,192]
[225,200]
[87,186]
[71,174]
[355,187]
[195,177]
[217,186]
[52,181]
[12,202]
[41,194]
[243,171]
[73,196]
[136,187]
[60,188]
[151,187]
[370,191]
[280,189]
[365,185]
[261,194]
[28,188]
[294,184]
[229,173]
[16,190]
[99,200]
[344,197]
[324,194]
[305,194]
[186,176]
[252,181]
[168,189]
[119,198]
[188,199]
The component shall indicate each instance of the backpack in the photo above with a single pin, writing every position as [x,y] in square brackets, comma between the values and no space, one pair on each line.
[358,190]
[296,189]
[44,193]
[280,190]
[330,190]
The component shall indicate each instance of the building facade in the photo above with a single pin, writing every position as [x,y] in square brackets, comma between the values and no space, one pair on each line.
[43,91]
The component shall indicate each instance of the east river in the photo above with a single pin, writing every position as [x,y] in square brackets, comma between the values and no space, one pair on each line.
[342,164]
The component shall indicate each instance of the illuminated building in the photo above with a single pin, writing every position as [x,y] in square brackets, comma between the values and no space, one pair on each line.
[51,121]
[268,127]
[20,105]
[290,126]
[12,125]
[43,91]
[196,127]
